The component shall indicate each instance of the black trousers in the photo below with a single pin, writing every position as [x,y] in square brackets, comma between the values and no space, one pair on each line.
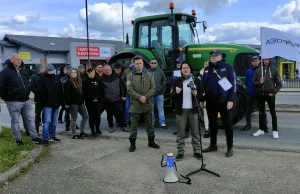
[114,108]
[262,99]
[67,117]
[212,112]
[61,111]
[38,112]
[250,101]
[94,111]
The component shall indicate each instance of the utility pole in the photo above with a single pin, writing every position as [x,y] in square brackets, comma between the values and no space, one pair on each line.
[123,23]
[87,32]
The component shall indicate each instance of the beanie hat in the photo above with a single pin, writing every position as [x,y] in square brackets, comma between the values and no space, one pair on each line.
[7,61]
[38,67]
[81,66]
[49,67]
[68,68]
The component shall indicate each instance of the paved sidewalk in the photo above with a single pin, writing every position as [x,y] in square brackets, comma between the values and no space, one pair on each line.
[105,166]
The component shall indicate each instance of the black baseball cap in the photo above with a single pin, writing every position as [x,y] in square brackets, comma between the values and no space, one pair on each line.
[216,52]
[254,57]
[117,66]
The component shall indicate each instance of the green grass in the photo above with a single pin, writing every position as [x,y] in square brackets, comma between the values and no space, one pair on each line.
[10,153]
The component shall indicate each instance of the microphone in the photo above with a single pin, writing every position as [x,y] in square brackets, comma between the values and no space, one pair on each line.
[191,83]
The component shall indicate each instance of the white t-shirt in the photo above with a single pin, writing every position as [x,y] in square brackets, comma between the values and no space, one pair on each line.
[187,96]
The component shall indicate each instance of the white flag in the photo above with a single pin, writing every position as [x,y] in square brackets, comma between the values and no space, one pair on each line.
[277,43]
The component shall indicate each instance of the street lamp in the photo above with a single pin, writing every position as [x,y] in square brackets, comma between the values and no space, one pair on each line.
[87,32]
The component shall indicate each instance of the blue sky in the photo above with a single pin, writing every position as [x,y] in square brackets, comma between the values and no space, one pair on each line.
[228,20]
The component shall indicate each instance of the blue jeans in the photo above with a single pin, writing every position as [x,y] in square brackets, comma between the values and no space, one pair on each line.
[159,103]
[49,122]
[127,106]
[25,109]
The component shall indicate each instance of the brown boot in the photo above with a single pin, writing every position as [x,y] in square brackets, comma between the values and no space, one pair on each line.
[126,129]
[111,130]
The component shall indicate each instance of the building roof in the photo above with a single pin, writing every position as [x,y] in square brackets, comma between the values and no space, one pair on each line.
[53,44]
[7,43]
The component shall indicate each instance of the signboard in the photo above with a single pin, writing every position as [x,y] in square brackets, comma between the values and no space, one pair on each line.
[95,51]
[82,51]
[105,52]
[24,55]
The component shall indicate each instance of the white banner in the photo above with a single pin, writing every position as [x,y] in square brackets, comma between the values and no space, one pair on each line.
[277,43]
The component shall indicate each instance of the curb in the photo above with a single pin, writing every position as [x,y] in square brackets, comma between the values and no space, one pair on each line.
[285,110]
[13,172]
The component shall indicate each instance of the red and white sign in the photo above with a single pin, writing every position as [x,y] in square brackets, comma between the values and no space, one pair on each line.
[82,51]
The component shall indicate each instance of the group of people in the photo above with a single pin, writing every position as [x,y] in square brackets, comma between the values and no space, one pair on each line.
[215,97]
[132,95]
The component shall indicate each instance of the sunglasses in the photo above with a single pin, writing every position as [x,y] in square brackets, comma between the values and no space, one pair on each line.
[153,62]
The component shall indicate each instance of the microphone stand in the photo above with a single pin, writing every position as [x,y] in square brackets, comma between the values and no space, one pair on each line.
[202,167]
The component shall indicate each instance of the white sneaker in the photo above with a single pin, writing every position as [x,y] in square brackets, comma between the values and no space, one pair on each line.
[275,135]
[258,133]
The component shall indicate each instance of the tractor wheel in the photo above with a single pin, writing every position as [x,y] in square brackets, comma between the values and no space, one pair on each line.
[239,105]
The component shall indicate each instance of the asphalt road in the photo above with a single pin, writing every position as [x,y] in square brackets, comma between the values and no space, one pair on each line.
[105,166]
[288,98]
[288,127]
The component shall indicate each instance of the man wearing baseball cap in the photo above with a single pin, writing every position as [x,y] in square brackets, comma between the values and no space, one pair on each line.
[251,93]
[219,82]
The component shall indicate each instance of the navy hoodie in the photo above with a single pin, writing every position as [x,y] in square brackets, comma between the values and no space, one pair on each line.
[249,81]
[213,91]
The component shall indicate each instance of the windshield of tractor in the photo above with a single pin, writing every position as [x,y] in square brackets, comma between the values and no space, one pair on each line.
[186,33]
[159,36]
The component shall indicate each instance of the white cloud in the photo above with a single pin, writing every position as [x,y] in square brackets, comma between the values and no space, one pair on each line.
[210,6]
[107,18]
[71,31]
[19,19]
[288,13]
[244,32]
[23,31]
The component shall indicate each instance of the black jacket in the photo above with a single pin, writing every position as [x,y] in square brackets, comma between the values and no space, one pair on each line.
[213,91]
[14,83]
[50,91]
[34,82]
[92,90]
[272,83]
[114,87]
[178,98]
[72,96]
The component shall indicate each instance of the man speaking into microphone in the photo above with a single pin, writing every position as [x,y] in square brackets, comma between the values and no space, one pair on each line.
[219,82]
[186,109]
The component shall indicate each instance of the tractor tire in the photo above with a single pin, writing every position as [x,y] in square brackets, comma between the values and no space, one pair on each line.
[239,105]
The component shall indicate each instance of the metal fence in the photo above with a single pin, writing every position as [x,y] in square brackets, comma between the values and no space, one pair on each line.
[287,83]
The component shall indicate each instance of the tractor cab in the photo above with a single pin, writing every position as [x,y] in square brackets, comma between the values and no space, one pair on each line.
[165,35]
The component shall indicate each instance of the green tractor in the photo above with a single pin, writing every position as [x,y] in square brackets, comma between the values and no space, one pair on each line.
[169,36]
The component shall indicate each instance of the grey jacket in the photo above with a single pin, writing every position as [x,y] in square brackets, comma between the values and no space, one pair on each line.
[272,83]
[160,80]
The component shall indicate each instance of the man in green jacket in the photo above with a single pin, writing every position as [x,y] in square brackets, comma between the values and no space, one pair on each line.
[141,88]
